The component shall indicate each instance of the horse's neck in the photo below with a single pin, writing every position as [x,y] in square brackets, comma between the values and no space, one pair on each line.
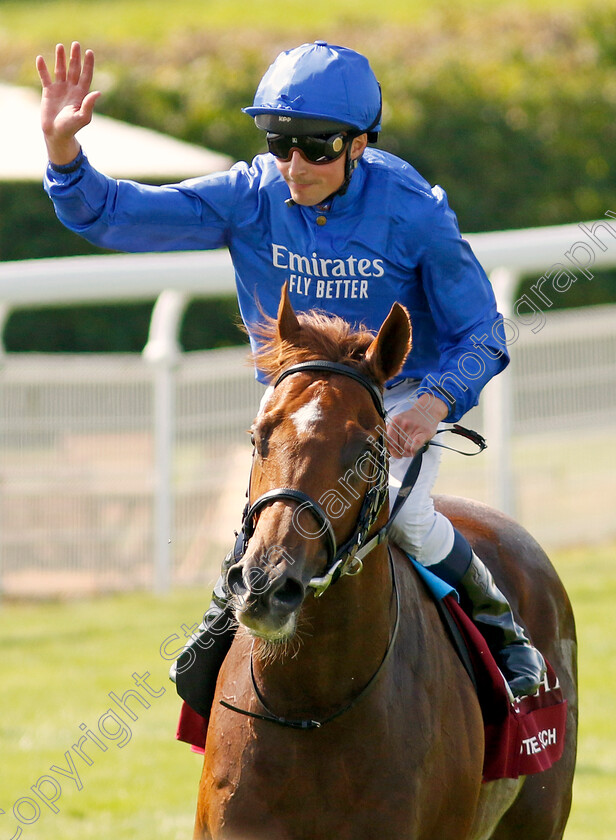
[342,638]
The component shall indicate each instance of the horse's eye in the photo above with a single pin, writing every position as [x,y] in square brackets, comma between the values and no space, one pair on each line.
[259,436]
[354,448]
[259,443]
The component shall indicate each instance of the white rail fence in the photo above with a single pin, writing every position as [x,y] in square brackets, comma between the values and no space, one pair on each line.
[84,492]
[130,471]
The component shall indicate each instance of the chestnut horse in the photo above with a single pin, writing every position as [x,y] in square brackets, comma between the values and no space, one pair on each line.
[349,716]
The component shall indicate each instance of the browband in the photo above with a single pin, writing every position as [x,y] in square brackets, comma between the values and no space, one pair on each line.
[344,370]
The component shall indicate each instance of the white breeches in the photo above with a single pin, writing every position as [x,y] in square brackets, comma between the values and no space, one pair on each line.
[418,528]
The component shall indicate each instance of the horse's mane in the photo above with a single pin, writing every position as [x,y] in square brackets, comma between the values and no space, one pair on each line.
[321,336]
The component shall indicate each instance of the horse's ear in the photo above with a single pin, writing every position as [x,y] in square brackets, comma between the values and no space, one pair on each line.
[390,348]
[288,324]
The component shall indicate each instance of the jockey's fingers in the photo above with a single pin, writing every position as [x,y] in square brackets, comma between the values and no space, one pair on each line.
[74,64]
[395,429]
[60,65]
[392,433]
[44,74]
[398,442]
[87,71]
[404,436]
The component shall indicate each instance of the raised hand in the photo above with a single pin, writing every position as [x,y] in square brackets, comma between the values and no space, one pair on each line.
[67,103]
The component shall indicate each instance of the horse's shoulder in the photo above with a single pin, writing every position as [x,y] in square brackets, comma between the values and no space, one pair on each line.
[409,581]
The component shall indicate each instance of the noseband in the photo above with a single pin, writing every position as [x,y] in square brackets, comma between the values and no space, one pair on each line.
[345,559]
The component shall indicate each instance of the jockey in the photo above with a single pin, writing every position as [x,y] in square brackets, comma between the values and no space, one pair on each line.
[351,230]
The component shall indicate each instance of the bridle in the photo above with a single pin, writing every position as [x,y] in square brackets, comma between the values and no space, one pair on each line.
[347,558]
[343,560]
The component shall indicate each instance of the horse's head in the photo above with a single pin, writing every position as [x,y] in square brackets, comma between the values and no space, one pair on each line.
[319,475]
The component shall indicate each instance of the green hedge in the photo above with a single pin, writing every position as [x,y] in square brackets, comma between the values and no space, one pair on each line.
[510,110]
[513,116]
[121,328]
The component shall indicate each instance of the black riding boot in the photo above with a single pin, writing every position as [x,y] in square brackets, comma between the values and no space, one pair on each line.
[522,664]
[196,670]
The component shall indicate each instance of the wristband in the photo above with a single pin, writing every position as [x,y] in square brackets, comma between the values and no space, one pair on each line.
[67,168]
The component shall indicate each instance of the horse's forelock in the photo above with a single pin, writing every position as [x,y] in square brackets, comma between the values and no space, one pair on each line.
[322,336]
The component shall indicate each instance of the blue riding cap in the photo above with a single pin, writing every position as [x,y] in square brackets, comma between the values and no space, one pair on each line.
[318,82]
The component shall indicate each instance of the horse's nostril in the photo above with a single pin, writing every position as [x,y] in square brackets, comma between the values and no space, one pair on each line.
[235,581]
[289,595]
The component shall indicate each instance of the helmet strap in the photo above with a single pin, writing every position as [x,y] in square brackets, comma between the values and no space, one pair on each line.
[349,167]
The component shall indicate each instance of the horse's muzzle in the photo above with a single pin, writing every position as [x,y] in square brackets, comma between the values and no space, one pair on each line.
[266,603]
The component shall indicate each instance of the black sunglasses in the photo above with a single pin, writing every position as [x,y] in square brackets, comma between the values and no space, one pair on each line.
[315,148]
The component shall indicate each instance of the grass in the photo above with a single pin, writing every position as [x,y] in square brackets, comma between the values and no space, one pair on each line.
[62,660]
[590,577]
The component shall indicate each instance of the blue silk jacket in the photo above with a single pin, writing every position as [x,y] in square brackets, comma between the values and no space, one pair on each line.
[390,237]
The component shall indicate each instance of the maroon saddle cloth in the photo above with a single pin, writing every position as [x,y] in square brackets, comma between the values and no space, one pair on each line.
[522,737]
